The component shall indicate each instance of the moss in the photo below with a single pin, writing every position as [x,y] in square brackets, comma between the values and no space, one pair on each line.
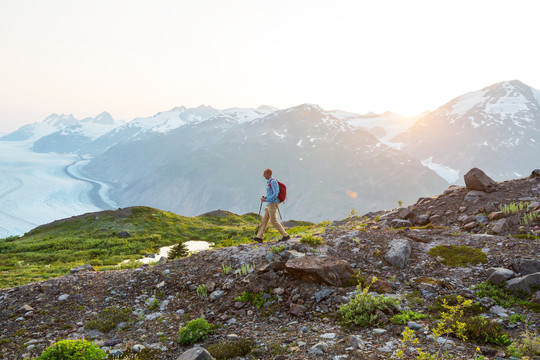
[231,349]
[108,319]
[458,255]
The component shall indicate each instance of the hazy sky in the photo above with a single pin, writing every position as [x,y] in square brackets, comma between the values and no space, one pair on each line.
[136,58]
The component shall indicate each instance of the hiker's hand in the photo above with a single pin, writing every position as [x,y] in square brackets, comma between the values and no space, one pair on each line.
[263,198]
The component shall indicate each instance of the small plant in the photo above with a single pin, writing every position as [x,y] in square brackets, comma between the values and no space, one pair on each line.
[514,318]
[277,249]
[108,319]
[194,331]
[244,269]
[454,300]
[482,330]
[179,250]
[529,218]
[73,349]
[502,296]
[527,345]
[513,207]
[257,299]
[356,279]
[154,305]
[456,255]
[400,203]
[311,240]
[405,316]
[361,309]
[202,291]
[354,213]
[231,349]
[226,269]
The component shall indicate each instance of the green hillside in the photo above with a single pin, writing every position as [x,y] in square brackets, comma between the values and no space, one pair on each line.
[51,250]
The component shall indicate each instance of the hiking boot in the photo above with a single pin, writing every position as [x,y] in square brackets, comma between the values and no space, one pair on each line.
[285,238]
[257,239]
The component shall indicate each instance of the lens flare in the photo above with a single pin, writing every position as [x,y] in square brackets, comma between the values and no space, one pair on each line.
[352,194]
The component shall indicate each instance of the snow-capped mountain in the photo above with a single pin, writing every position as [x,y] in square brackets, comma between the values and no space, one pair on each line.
[329,166]
[496,129]
[35,131]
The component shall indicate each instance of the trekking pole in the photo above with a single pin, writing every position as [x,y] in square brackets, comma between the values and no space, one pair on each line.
[258,219]
[280,214]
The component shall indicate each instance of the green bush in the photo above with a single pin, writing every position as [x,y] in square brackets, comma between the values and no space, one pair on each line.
[527,345]
[405,316]
[311,240]
[453,300]
[194,331]
[361,309]
[231,349]
[108,319]
[484,331]
[257,299]
[458,255]
[502,296]
[72,349]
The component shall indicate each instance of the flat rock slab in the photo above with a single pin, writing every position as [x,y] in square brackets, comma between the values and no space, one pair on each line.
[399,253]
[523,284]
[320,269]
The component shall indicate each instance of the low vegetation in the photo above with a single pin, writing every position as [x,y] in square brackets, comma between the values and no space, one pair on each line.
[109,318]
[194,331]
[231,348]
[458,255]
[73,349]
[362,309]
[107,238]
[311,240]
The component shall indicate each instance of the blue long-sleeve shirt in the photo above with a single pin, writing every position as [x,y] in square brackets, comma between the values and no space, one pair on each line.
[272,191]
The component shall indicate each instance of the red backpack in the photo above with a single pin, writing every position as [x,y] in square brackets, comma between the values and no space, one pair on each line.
[282,195]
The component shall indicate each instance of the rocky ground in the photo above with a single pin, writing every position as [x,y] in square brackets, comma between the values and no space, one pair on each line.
[300,320]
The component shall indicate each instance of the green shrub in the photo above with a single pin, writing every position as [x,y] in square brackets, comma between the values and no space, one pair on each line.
[154,305]
[278,249]
[80,349]
[458,255]
[405,316]
[257,299]
[311,240]
[453,300]
[231,349]
[482,330]
[194,331]
[502,296]
[202,291]
[357,279]
[179,250]
[108,319]
[361,309]
[527,345]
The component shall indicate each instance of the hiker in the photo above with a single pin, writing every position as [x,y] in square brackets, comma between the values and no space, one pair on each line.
[271,210]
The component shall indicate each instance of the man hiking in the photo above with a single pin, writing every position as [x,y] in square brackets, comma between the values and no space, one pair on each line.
[270,212]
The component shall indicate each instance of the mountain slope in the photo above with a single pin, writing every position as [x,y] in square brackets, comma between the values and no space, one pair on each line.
[328,166]
[496,129]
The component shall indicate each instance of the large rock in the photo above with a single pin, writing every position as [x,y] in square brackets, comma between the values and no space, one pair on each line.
[499,226]
[474,195]
[535,174]
[320,269]
[526,266]
[196,353]
[523,284]
[82,268]
[476,179]
[499,275]
[399,223]
[399,253]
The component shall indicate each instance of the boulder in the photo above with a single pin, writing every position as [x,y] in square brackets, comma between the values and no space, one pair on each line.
[523,284]
[535,174]
[421,220]
[297,309]
[526,266]
[399,253]
[82,268]
[398,223]
[476,179]
[470,226]
[474,195]
[536,298]
[499,226]
[196,353]
[320,269]
[405,213]
[495,215]
[124,234]
[499,275]
[465,219]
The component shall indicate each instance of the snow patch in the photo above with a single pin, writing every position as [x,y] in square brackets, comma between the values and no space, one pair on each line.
[447,173]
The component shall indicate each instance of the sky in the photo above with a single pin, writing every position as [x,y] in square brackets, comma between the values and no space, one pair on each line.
[136,58]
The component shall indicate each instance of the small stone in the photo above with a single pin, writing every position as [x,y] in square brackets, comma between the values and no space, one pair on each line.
[138,348]
[63,297]
[196,353]
[356,342]
[414,326]
[379,331]
[329,336]
[297,309]
[318,349]
[216,295]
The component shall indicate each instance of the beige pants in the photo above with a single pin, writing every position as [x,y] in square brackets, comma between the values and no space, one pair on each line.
[270,213]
